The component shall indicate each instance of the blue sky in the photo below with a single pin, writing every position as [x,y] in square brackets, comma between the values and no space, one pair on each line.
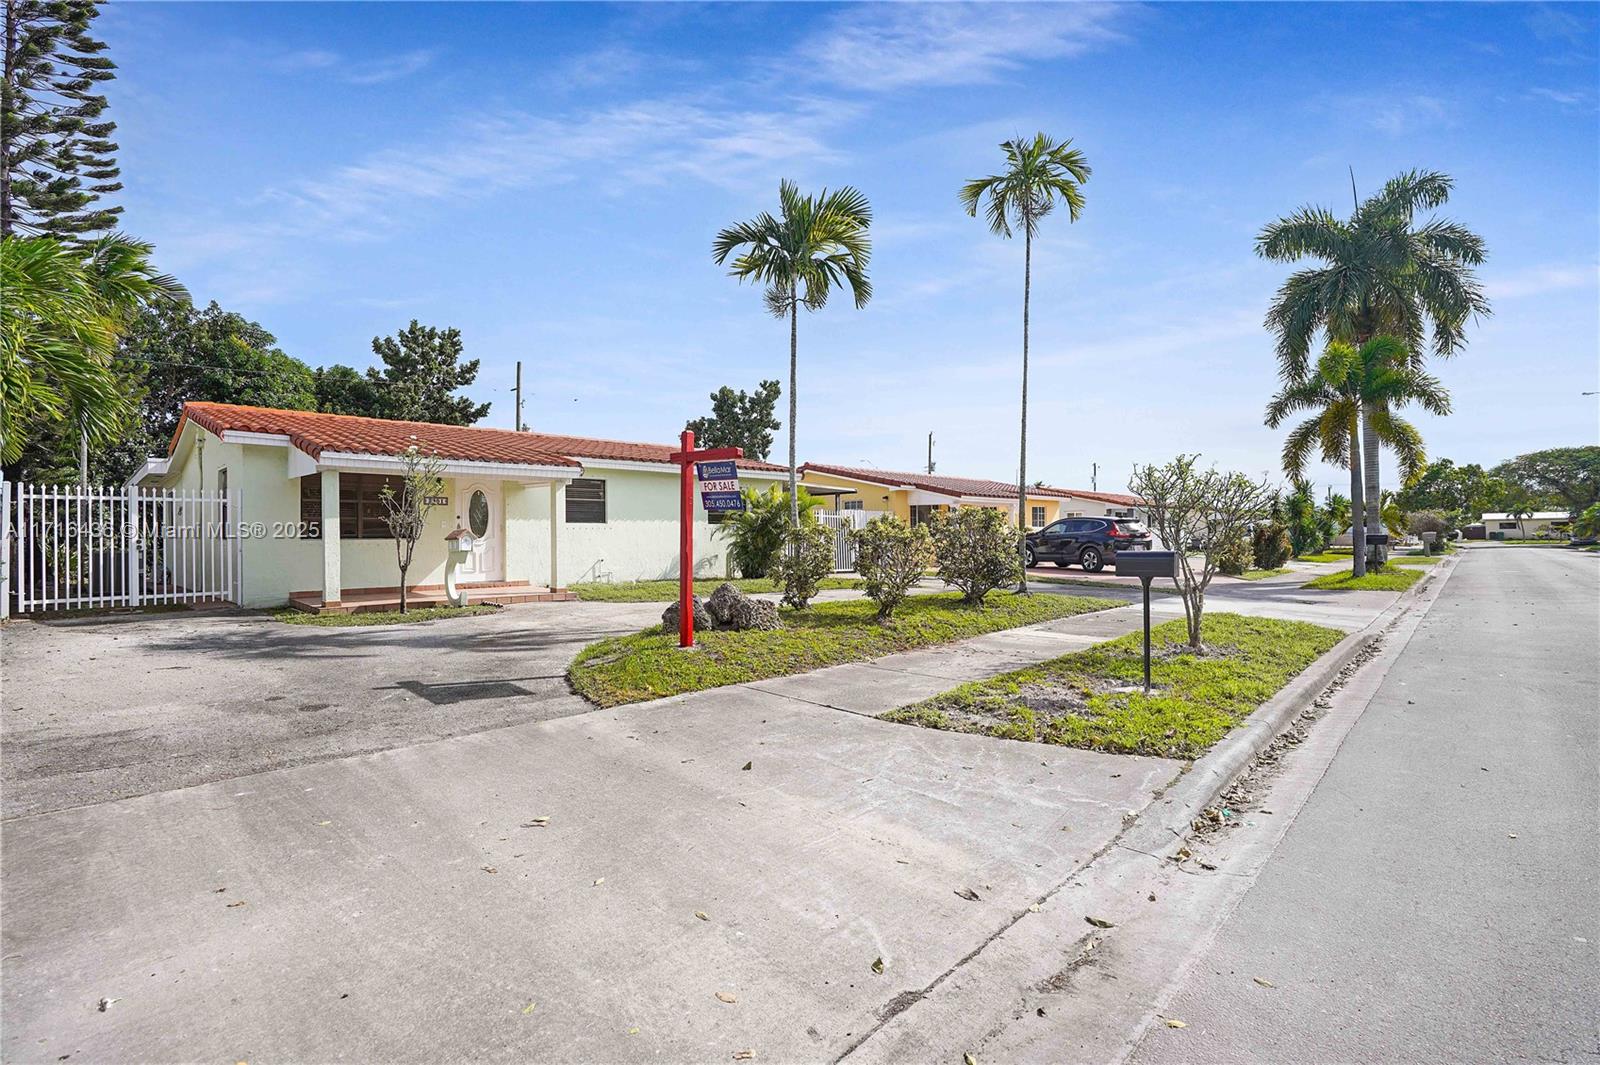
[548,179]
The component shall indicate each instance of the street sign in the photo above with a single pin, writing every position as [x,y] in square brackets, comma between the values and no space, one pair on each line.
[719,486]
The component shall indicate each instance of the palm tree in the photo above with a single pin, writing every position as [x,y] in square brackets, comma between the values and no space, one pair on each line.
[1347,381]
[815,244]
[59,323]
[1380,273]
[1036,173]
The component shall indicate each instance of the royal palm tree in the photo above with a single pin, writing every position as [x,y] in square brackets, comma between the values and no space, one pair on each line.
[64,307]
[816,243]
[1037,172]
[1380,273]
[1379,376]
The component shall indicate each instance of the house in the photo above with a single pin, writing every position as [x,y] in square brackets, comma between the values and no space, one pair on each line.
[308,523]
[914,497]
[1535,525]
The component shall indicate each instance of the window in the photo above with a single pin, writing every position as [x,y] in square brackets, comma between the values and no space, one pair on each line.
[855,504]
[1508,525]
[1057,529]
[361,512]
[1035,516]
[1072,514]
[586,502]
[923,513]
[222,493]
[478,514]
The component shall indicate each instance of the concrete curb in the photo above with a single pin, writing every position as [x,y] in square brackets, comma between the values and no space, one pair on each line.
[979,993]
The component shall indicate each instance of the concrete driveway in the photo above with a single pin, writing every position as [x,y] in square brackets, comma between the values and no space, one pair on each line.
[113,706]
[408,905]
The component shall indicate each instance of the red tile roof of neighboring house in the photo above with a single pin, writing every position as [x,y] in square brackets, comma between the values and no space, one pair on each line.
[1102,497]
[950,486]
[314,433]
[961,486]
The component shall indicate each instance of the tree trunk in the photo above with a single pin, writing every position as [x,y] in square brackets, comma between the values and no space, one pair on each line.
[402,589]
[6,136]
[1022,459]
[794,364]
[1358,532]
[1374,503]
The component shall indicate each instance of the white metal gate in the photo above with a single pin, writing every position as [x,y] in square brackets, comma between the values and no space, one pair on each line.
[75,547]
[841,522]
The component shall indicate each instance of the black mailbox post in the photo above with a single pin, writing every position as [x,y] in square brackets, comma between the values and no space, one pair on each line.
[1147,566]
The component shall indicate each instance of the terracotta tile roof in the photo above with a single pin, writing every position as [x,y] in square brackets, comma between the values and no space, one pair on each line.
[950,486]
[964,486]
[315,433]
[1117,498]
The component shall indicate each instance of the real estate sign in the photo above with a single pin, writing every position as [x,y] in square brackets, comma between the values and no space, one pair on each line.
[719,486]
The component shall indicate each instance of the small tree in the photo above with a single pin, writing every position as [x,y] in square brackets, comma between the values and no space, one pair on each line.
[1189,505]
[406,511]
[1429,521]
[976,550]
[891,557]
[806,558]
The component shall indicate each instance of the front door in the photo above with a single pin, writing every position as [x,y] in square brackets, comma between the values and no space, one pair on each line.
[480,514]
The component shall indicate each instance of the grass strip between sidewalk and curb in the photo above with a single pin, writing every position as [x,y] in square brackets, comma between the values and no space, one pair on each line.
[1385,580]
[650,665]
[415,616]
[667,591]
[1080,699]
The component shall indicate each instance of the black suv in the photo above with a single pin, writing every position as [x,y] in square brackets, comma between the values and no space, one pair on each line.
[1089,542]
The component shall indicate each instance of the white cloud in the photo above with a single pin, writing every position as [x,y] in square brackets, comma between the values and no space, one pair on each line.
[374,71]
[1538,280]
[644,143]
[1562,99]
[893,46]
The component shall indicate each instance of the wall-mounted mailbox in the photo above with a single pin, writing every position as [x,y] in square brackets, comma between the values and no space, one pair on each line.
[1147,564]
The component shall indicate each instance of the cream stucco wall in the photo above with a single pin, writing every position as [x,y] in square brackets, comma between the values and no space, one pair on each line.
[638,541]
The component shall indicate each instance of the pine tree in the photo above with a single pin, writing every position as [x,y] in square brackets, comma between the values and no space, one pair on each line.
[422,368]
[57,158]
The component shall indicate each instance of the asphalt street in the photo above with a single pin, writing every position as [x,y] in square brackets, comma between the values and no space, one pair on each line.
[1436,899]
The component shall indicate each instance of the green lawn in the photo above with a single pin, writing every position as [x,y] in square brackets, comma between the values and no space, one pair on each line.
[1414,560]
[1326,556]
[415,615]
[1388,580]
[650,665]
[667,591]
[1070,700]
[1260,574]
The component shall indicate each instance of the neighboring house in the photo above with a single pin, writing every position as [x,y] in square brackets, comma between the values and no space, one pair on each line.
[914,497]
[309,521]
[1538,525]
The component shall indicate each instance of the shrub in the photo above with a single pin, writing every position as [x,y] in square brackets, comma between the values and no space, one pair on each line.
[1430,521]
[890,556]
[1232,554]
[806,558]
[1588,523]
[977,550]
[755,534]
[1270,545]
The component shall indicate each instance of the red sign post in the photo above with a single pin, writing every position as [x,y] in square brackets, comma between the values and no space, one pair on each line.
[686,458]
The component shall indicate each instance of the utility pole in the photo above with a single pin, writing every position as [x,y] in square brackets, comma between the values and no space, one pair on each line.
[1094,477]
[518,426]
[930,454]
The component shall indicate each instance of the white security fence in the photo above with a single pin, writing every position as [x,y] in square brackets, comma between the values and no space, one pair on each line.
[841,522]
[74,547]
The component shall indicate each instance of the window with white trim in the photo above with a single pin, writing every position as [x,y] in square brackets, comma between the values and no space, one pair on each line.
[855,504]
[1035,517]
